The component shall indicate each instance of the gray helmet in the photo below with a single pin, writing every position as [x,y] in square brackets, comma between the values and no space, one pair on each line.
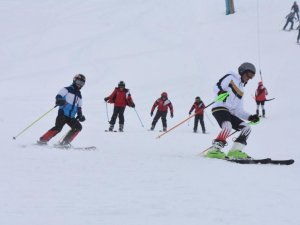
[244,67]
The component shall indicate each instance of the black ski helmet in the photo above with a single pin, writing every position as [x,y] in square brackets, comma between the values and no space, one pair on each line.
[245,67]
[121,84]
[198,98]
[79,80]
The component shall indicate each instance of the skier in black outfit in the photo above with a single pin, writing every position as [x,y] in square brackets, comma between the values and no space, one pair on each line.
[290,19]
[298,38]
[295,8]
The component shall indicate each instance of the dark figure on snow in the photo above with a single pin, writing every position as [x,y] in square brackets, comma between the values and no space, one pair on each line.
[290,19]
[260,98]
[162,104]
[298,38]
[230,113]
[198,106]
[295,8]
[69,101]
[121,98]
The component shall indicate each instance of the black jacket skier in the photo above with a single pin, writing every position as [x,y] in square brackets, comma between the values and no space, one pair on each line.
[290,19]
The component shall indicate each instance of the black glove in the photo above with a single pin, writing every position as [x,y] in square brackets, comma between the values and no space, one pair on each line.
[190,113]
[254,118]
[60,102]
[133,105]
[151,114]
[106,99]
[222,92]
[81,118]
[172,115]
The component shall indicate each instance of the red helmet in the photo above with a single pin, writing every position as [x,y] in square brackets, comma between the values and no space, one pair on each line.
[164,94]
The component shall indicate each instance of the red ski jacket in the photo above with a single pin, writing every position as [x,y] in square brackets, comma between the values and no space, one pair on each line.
[260,94]
[121,98]
[198,107]
[162,105]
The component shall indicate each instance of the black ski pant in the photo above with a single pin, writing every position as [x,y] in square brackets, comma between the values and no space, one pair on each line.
[118,112]
[163,116]
[222,115]
[287,22]
[60,122]
[199,118]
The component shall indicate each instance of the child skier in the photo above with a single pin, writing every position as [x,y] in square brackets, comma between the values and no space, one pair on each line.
[69,101]
[198,106]
[298,37]
[260,98]
[230,113]
[162,104]
[290,19]
[120,97]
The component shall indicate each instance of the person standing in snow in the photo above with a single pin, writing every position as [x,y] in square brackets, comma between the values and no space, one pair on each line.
[198,106]
[69,101]
[120,97]
[295,8]
[290,19]
[162,104]
[298,38]
[260,98]
[230,113]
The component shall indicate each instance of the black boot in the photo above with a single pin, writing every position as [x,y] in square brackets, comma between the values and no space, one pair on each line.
[121,127]
[111,127]
[263,113]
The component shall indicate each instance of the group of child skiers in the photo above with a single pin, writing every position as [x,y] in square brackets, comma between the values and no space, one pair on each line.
[228,112]
[293,15]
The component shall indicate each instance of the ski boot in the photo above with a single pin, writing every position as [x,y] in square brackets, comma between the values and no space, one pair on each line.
[257,112]
[121,127]
[64,144]
[195,130]
[164,129]
[41,142]
[263,113]
[111,127]
[236,152]
[152,128]
[215,150]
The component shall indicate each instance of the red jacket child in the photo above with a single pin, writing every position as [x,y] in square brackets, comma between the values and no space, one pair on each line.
[198,106]
[120,98]
[162,104]
[261,92]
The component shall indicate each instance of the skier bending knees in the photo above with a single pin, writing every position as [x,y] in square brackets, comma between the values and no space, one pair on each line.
[230,113]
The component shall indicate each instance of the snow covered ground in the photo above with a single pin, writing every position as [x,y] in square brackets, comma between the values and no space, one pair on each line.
[182,47]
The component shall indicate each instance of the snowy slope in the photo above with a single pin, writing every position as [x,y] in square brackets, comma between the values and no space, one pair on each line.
[182,47]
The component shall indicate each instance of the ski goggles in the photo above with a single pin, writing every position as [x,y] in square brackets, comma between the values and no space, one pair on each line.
[79,82]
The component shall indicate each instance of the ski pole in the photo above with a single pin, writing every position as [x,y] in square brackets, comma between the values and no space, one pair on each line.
[107,112]
[220,98]
[209,118]
[138,117]
[15,137]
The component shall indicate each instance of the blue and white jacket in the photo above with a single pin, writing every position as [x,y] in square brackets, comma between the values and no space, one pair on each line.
[73,101]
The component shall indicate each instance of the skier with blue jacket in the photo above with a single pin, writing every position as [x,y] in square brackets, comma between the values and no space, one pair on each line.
[69,100]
